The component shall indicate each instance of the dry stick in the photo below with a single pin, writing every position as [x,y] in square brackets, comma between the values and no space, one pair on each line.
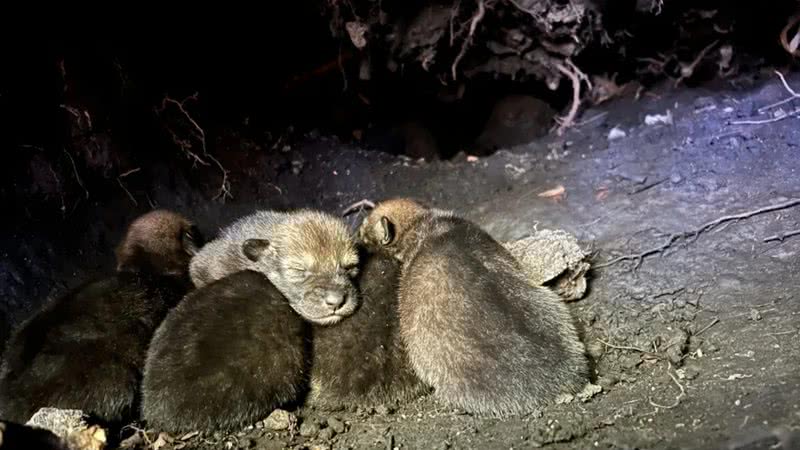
[713,322]
[224,190]
[761,122]
[782,236]
[794,95]
[688,70]
[696,233]
[122,185]
[573,75]
[677,399]
[476,18]
[75,169]
[791,47]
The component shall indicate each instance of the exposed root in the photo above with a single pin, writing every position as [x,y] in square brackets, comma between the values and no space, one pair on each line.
[77,176]
[713,322]
[476,19]
[687,70]
[782,236]
[199,135]
[576,76]
[791,45]
[122,185]
[639,257]
[679,396]
[792,95]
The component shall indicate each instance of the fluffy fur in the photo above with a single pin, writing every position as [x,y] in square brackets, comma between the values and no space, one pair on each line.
[308,255]
[86,349]
[225,357]
[485,339]
[361,360]
[15,436]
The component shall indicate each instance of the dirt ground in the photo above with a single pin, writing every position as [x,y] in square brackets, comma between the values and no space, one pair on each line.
[694,346]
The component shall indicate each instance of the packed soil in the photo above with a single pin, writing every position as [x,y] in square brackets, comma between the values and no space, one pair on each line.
[693,341]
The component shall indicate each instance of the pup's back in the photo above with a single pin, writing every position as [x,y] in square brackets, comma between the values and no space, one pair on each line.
[85,350]
[475,330]
[361,360]
[225,357]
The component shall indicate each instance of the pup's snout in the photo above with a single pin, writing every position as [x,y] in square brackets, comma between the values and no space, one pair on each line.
[335,299]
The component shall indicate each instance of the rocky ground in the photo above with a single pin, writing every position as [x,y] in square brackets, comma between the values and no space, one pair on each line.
[694,339]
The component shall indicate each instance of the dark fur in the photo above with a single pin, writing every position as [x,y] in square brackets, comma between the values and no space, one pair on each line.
[361,360]
[15,436]
[225,357]
[86,350]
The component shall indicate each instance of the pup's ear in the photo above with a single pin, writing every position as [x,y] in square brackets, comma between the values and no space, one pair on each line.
[385,229]
[253,249]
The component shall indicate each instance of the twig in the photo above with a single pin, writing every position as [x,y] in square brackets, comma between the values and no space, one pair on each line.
[575,75]
[678,398]
[130,196]
[199,135]
[623,347]
[341,69]
[75,169]
[782,236]
[358,206]
[792,46]
[476,19]
[591,119]
[130,172]
[688,70]
[763,121]
[713,322]
[793,94]
[639,257]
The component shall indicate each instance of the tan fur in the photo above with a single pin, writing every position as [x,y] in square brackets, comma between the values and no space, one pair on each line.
[309,256]
[161,239]
[475,329]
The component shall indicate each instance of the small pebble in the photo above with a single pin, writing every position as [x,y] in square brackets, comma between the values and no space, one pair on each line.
[675,178]
[319,447]
[309,428]
[326,434]
[755,315]
[336,424]
[280,420]
[384,410]
[247,443]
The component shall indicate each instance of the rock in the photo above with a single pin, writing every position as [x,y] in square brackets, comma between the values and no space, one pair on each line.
[689,372]
[553,257]
[675,178]
[71,426]
[589,391]
[676,346]
[327,434]
[336,424]
[247,443]
[280,420]
[384,410]
[309,428]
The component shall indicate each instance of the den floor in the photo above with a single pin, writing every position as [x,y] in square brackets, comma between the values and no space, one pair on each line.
[695,341]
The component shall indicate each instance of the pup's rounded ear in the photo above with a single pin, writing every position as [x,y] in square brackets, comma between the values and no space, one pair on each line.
[386,231]
[253,249]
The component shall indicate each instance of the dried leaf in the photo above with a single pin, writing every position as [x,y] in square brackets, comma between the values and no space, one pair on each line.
[357,31]
[556,192]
